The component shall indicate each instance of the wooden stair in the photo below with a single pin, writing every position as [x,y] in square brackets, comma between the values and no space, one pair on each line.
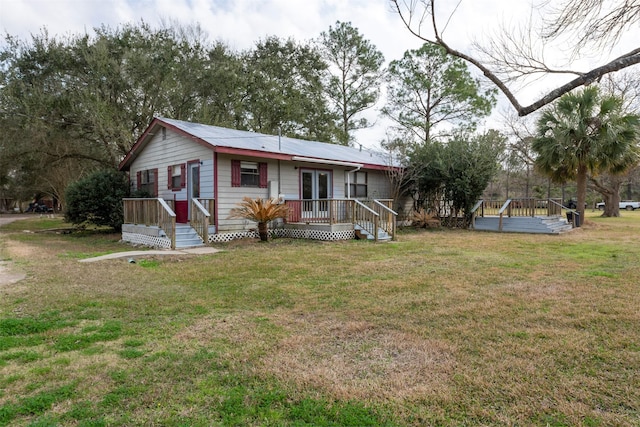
[367,234]
[186,237]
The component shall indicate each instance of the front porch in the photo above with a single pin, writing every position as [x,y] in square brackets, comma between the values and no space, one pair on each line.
[152,222]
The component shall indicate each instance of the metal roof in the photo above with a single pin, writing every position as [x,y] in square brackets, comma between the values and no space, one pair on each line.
[253,141]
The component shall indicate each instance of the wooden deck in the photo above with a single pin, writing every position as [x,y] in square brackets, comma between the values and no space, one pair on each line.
[152,221]
[524,215]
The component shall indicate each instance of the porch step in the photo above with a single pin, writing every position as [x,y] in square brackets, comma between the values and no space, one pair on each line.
[541,225]
[186,237]
[361,233]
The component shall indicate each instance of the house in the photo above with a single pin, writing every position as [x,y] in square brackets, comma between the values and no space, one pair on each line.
[195,174]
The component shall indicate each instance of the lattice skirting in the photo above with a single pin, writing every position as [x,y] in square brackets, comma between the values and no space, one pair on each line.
[284,232]
[227,237]
[143,239]
[163,242]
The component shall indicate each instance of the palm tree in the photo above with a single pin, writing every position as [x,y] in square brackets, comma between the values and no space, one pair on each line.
[262,211]
[584,133]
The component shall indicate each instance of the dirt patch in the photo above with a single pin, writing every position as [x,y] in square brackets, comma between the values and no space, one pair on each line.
[353,359]
[346,359]
[9,276]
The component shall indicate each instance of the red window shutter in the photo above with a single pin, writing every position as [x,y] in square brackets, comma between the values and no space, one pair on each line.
[235,173]
[155,182]
[169,173]
[138,180]
[262,169]
[183,175]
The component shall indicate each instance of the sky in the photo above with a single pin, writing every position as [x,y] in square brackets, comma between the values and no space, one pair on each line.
[240,23]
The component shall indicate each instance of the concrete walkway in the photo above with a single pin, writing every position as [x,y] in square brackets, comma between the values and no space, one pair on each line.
[8,277]
[133,254]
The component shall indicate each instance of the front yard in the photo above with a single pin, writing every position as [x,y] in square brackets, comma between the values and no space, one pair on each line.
[437,328]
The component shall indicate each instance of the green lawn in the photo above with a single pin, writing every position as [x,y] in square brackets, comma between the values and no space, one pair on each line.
[438,328]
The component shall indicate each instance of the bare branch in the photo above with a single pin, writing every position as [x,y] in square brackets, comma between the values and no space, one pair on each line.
[514,60]
[592,21]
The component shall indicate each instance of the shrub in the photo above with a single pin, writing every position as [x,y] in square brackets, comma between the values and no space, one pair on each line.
[261,211]
[97,199]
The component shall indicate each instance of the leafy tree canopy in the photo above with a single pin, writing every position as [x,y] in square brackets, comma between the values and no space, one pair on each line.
[429,90]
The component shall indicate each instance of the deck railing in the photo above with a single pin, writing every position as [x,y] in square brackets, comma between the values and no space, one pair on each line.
[319,211]
[518,207]
[201,216]
[371,215]
[366,218]
[151,212]
[387,216]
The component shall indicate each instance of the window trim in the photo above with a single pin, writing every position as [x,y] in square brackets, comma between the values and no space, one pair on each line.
[353,182]
[236,174]
[140,186]
[182,175]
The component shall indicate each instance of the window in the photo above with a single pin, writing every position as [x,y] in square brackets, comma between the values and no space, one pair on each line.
[358,183]
[248,174]
[147,181]
[176,176]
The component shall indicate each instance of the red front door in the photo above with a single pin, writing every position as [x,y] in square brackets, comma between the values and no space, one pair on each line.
[182,211]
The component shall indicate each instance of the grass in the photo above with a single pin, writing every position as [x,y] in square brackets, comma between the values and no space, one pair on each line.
[438,328]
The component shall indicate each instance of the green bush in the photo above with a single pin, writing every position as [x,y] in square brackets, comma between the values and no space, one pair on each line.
[97,199]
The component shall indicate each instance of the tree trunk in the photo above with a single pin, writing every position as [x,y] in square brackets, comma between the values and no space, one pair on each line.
[581,184]
[263,231]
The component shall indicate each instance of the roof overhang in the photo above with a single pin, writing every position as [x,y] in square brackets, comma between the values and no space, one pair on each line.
[326,162]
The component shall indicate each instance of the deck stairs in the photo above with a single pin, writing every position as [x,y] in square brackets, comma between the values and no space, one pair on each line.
[366,233]
[187,237]
[536,224]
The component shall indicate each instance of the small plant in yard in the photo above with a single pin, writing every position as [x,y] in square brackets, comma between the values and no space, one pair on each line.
[423,218]
[262,211]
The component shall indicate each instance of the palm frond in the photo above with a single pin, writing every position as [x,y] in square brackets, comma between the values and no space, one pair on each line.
[259,210]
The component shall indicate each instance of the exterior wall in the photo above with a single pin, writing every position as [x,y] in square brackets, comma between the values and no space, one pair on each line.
[283,177]
[378,185]
[175,149]
[228,196]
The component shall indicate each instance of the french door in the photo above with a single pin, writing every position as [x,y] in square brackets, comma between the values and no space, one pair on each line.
[316,189]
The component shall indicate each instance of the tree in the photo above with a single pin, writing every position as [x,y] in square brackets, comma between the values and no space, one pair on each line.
[69,106]
[515,55]
[584,133]
[456,171]
[97,199]
[428,88]
[262,211]
[284,91]
[354,82]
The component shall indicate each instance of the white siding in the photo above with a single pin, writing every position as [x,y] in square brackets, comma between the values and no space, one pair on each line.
[378,185]
[229,197]
[175,149]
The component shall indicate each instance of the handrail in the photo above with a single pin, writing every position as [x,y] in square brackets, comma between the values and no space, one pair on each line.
[501,212]
[362,216]
[473,212]
[389,221]
[504,207]
[385,207]
[200,220]
[477,205]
